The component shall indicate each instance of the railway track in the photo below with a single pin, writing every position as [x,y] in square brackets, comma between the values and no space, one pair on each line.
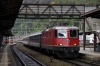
[73,62]
[76,62]
[26,59]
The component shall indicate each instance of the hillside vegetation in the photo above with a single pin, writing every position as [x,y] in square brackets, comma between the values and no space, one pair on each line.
[86,2]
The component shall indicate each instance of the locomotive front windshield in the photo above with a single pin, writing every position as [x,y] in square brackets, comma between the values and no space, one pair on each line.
[73,33]
[61,33]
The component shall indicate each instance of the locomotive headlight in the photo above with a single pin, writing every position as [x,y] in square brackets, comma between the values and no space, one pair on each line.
[14,43]
[75,44]
[60,44]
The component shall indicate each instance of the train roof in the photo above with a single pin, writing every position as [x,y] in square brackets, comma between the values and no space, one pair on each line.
[63,27]
[25,37]
[36,33]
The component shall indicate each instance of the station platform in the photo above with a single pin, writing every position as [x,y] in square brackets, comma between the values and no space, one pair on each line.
[6,57]
[90,54]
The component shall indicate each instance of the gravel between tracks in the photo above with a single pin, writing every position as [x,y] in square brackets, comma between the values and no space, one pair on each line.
[43,58]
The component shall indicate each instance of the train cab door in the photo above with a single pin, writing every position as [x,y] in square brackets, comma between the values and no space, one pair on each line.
[73,37]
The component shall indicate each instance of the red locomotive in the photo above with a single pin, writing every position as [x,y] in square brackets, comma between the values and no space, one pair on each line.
[6,41]
[62,41]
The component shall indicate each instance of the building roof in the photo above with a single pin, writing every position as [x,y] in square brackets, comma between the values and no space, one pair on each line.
[93,13]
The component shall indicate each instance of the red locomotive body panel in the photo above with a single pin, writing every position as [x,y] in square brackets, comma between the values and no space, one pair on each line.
[50,37]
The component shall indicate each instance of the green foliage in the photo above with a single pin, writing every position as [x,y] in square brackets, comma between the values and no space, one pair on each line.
[87,2]
[30,26]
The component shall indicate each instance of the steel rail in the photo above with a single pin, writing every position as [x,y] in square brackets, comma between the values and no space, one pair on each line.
[26,59]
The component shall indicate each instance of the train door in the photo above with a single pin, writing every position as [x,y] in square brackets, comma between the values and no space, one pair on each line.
[73,37]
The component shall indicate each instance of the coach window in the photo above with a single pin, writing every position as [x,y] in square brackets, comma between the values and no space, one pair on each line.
[73,33]
[61,33]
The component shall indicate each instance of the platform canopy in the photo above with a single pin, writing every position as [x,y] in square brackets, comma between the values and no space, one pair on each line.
[93,13]
[8,12]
